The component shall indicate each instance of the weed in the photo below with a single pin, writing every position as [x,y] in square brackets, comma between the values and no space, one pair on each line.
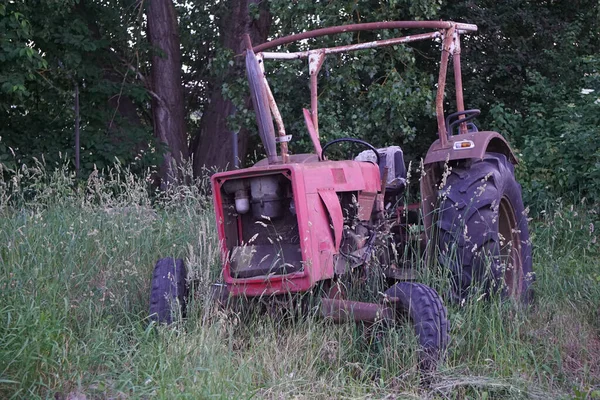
[75,266]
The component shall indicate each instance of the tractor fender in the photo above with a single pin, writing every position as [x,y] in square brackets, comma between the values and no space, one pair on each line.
[469,145]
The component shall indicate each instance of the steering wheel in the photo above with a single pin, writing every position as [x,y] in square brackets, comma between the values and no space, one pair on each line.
[469,115]
[351,140]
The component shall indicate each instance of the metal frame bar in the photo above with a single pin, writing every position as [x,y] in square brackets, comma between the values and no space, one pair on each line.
[447,30]
[276,114]
[351,47]
[439,98]
[369,26]
[460,103]
[315,62]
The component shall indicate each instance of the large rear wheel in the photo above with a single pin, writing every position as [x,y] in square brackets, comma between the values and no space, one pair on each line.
[483,230]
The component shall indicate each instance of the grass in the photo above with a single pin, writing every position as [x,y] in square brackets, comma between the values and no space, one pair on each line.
[75,268]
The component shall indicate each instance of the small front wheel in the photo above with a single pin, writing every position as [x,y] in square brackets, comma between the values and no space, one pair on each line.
[169,291]
[425,309]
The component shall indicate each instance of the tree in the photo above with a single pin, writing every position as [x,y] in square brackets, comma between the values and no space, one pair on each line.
[524,69]
[533,70]
[213,144]
[517,38]
[167,90]
[51,47]
[383,96]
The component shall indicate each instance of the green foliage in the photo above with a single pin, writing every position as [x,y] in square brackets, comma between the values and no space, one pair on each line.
[18,61]
[528,69]
[558,138]
[383,96]
[52,46]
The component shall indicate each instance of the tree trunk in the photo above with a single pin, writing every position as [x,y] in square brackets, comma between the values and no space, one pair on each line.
[213,145]
[168,110]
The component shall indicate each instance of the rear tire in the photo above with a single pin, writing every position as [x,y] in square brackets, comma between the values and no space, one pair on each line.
[483,230]
[425,309]
[169,291]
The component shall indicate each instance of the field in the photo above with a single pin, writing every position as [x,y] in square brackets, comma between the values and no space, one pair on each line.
[75,269]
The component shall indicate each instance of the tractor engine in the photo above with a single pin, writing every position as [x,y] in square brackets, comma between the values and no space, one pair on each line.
[263,237]
[281,226]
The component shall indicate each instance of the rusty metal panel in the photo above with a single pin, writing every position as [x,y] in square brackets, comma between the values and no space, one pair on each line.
[334,208]
[262,260]
[360,176]
[260,102]
[338,175]
[366,201]
[292,158]
[314,135]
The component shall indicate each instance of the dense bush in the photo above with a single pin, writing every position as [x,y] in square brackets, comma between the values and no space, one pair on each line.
[558,137]
[533,70]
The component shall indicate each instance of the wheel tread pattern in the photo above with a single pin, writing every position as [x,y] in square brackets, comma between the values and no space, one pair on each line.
[168,290]
[429,316]
[468,223]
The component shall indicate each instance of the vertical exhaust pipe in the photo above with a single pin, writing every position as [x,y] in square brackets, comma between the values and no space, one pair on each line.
[260,102]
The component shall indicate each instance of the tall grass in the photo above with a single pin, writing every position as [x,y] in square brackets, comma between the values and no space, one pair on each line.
[75,267]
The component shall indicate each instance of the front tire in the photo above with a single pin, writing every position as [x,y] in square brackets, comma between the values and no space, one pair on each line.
[169,291]
[425,309]
[483,230]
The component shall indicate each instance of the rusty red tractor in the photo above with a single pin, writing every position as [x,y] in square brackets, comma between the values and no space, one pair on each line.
[299,223]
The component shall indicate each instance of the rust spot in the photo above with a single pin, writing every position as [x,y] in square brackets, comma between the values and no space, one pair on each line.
[366,201]
[338,175]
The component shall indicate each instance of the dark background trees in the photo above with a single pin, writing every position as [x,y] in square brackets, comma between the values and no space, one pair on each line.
[213,142]
[534,70]
[167,90]
[159,82]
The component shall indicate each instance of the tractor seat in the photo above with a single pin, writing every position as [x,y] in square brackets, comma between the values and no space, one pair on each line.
[391,157]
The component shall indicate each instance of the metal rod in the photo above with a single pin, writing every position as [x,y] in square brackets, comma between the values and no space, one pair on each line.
[315,61]
[352,47]
[234,142]
[276,114]
[240,230]
[365,27]
[260,102]
[314,103]
[279,121]
[460,104]
[345,310]
[439,98]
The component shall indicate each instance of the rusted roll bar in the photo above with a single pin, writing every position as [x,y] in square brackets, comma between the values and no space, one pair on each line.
[369,26]
[448,31]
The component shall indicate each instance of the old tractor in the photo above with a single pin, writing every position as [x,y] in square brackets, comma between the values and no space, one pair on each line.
[301,223]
